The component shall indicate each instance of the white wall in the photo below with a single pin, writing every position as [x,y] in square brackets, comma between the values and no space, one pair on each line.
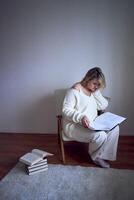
[50,44]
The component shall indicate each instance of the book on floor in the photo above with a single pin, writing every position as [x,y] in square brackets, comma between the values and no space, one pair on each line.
[37,171]
[30,158]
[33,157]
[106,121]
[37,168]
[42,162]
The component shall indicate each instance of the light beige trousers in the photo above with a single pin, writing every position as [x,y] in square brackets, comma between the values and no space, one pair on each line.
[102,144]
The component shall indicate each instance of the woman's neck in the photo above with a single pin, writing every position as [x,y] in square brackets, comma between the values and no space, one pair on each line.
[85,90]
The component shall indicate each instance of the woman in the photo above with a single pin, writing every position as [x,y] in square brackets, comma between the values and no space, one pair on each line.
[80,107]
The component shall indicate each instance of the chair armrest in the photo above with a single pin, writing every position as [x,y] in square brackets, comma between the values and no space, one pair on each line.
[108,98]
[102,111]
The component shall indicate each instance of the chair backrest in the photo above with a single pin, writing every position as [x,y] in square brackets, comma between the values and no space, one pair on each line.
[59,97]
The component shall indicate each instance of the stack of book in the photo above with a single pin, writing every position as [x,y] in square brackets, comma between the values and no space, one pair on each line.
[35,161]
[37,167]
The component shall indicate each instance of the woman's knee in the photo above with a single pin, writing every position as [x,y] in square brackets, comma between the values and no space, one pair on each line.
[115,130]
[103,135]
[100,137]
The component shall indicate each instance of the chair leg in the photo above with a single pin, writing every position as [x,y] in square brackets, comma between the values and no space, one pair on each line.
[59,129]
[62,151]
[60,142]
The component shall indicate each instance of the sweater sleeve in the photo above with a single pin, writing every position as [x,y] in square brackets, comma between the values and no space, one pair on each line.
[69,107]
[102,102]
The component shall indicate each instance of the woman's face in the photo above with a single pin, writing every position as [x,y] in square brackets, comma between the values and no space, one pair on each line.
[93,85]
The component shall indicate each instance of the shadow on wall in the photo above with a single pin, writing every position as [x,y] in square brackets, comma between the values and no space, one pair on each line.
[39,116]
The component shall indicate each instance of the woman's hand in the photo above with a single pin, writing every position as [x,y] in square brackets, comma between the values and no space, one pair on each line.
[85,122]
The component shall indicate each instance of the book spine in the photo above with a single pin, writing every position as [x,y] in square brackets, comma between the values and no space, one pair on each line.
[44,160]
[38,164]
[37,171]
[38,168]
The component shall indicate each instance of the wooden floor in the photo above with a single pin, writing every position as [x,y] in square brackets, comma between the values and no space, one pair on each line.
[12,146]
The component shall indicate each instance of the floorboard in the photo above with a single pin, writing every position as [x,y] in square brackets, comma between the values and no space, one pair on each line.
[14,145]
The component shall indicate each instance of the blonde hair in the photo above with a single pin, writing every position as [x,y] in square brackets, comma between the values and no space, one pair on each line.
[94,73]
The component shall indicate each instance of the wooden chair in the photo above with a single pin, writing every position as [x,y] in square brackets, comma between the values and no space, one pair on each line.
[62,138]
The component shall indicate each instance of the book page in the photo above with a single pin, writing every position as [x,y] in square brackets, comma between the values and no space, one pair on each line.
[106,121]
[41,153]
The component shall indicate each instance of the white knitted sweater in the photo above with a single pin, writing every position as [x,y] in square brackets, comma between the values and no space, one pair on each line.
[77,104]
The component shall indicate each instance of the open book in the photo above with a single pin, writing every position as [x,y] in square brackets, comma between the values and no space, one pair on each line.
[33,157]
[106,121]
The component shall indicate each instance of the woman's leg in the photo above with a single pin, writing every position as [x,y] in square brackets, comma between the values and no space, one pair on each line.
[95,139]
[108,150]
[102,145]
[81,134]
